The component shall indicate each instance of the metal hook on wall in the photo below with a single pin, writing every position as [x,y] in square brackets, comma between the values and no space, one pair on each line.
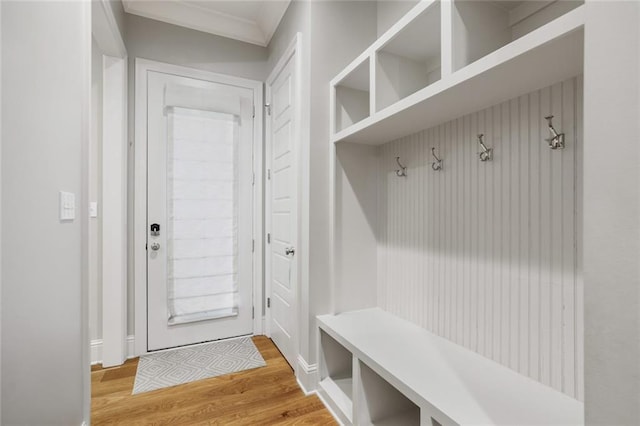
[556,141]
[487,153]
[402,171]
[436,165]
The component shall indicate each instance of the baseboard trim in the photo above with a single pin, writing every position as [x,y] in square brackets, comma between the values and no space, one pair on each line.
[96,350]
[306,375]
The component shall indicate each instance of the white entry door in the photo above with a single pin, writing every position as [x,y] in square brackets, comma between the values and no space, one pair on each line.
[282,218]
[199,210]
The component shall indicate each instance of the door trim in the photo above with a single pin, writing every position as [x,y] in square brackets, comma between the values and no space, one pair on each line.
[142,67]
[112,193]
[302,197]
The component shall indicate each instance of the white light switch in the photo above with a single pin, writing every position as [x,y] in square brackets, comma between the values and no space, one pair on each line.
[67,206]
[93,209]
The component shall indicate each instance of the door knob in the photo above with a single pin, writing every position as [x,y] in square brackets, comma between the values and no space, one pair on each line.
[155,246]
[289,250]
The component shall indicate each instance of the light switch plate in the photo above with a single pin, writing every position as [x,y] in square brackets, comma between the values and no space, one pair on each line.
[67,206]
[93,209]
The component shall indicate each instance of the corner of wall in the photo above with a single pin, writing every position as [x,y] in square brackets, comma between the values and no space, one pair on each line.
[306,375]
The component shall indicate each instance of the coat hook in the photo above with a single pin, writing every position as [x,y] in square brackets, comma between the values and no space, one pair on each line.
[487,153]
[402,171]
[436,165]
[557,139]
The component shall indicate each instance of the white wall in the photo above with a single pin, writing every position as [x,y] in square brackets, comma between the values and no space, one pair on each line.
[45,82]
[612,213]
[487,254]
[356,227]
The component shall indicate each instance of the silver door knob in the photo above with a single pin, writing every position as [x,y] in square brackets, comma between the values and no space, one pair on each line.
[155,246]
[289,250]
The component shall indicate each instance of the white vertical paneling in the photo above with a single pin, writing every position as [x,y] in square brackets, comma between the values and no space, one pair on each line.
[545,246]
[504,277]
[486,253]
[534,235]
[568,242]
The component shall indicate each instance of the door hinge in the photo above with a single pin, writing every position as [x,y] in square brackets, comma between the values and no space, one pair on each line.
[267,107]
[269,238]
[254,112]
[253,179]
[146,246]
[268,302]
[269,174]
[253,312]
[253,246]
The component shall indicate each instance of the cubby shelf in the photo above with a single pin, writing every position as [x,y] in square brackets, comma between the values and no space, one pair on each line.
[406,375]
[468,77]
[336,376]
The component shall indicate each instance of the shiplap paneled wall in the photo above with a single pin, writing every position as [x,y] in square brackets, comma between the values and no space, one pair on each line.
[487,254]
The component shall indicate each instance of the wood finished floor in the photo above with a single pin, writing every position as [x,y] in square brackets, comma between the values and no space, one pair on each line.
[263,396]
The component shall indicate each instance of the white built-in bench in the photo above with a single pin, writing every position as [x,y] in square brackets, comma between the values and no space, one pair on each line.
[376,368]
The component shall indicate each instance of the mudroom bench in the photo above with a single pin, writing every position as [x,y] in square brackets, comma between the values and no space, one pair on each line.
[376,368]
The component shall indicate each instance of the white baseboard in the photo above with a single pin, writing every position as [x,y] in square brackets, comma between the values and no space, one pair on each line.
[96,350]
[307,375]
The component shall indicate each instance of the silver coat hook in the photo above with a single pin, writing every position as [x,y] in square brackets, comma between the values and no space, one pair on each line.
[556,141]
[402,171]
[487,153]
[436,165]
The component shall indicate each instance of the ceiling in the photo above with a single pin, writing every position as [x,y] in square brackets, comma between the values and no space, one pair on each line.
[251,21]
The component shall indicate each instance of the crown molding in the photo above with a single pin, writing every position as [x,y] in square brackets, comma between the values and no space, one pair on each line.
[191,15]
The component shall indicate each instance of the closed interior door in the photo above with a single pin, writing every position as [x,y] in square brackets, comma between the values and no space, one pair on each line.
[282,211]
[199,211]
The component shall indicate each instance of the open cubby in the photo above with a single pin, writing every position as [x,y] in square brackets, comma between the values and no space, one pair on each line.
[353,97]
[483,26]
[379,403]
[411,60]
[336,373]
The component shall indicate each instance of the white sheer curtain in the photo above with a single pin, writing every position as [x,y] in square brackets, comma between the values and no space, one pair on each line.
[202,209]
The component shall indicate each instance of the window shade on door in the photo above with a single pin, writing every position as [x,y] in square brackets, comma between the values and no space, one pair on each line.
[202,182]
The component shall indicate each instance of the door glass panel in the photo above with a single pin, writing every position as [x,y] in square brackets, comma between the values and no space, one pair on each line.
[202,184]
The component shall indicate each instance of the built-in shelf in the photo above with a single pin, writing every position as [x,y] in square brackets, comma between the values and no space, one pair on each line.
[483,26]
[404,66]
[353,97]
[532,46]
[407,375]
[379,403]
[336,376]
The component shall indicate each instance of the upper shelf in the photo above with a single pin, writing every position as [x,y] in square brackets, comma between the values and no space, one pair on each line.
[484,54]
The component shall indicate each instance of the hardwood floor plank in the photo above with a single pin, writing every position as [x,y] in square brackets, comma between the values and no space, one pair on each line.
[266,396]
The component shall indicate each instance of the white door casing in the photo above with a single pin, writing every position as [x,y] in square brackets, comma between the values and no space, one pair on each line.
[282,187]
[153,83]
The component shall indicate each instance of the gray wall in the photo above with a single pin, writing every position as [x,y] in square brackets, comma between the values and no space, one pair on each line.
[150,39]
[389,11]
[612,213]
[45,80]
[159,41]
[95,144]
[118,12]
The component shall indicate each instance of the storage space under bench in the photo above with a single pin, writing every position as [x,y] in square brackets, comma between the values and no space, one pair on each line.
[376,368]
